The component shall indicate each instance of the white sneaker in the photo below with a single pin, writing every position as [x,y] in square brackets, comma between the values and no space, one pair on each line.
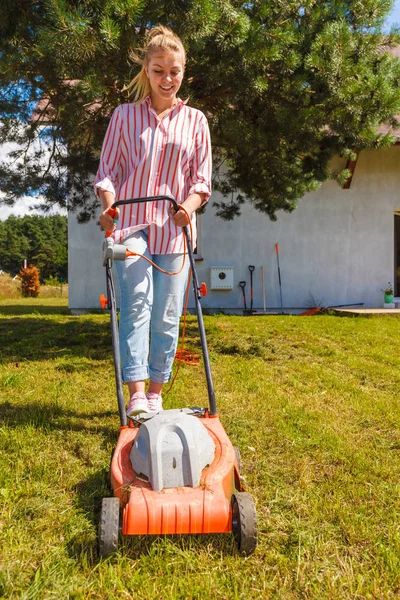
[154,402]
[137,404]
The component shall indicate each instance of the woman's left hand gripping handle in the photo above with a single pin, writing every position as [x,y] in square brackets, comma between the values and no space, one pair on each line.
[109,220]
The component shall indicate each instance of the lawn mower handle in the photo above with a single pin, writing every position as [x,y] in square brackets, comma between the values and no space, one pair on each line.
[197,296]
[149,199]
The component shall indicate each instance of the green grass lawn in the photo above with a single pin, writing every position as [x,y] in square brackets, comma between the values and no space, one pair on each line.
[312,403]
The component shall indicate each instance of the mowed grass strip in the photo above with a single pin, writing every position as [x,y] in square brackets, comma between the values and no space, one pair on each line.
[312,403]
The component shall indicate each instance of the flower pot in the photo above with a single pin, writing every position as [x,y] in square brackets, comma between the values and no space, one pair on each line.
[389,298]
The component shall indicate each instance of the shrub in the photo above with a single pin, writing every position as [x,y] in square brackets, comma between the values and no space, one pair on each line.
[52,280]
[30,283]
[9,287]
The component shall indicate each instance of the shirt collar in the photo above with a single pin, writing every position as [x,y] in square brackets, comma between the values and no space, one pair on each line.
[179,102]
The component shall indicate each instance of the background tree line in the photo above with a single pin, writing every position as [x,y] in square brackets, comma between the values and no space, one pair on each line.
[42,241]
[286,85]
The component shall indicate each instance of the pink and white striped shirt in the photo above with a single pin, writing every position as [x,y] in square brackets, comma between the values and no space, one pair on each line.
[144,156]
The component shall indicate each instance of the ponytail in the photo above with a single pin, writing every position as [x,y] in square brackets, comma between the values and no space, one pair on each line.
[139,87]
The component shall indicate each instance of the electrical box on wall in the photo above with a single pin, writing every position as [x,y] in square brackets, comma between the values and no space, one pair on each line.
[221,278]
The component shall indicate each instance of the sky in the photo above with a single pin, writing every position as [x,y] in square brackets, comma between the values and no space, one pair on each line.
[22,207]
[394,17]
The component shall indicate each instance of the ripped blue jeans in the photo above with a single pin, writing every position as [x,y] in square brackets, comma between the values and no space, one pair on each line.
[150,311]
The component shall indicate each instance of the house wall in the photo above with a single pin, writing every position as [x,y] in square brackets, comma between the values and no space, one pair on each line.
[337,246]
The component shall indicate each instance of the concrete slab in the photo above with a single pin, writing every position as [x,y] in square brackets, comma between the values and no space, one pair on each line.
[368,311]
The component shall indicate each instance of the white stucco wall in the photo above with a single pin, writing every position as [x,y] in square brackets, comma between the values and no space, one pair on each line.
[338,245]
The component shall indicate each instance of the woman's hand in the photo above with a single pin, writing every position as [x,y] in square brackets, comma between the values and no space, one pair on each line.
[180,217]
[107,221]
[192,203]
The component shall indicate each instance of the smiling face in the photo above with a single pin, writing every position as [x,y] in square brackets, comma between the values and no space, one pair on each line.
[165,72]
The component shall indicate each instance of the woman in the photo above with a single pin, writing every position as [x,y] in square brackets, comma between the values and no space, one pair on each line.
[156,146]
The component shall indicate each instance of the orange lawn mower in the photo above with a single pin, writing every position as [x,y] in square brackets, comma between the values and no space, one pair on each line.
[174,471]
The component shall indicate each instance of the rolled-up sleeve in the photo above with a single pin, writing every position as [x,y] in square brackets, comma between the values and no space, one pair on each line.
[201,167]
[108,175]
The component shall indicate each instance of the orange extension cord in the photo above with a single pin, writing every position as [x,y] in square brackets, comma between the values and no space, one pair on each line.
[182,355]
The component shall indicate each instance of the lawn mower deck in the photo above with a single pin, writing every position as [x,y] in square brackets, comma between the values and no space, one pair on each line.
[205,508]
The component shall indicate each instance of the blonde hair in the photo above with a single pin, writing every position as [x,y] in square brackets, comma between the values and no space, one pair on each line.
[159,38]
